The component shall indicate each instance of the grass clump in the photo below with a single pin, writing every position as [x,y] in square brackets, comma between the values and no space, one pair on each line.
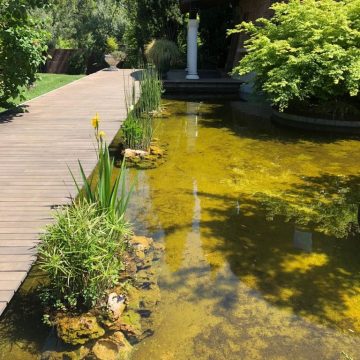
[81,253]
[163,54]
[138,128]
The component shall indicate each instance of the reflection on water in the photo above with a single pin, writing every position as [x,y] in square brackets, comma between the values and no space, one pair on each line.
[260,229]
[303,240]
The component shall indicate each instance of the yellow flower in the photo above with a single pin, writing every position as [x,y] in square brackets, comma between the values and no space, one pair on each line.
[102,134]
[95,121]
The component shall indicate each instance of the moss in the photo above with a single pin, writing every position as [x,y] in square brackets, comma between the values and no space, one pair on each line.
[78,330]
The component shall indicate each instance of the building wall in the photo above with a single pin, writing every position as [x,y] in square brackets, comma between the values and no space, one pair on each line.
[246,10]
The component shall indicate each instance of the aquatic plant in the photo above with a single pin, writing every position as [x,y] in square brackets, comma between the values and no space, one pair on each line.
[151,89]
[137,129]
[163,54]
[109,193]
[81,253]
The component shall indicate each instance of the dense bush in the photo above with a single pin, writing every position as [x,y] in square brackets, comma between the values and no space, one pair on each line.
[22,47]
[81,253]
[308,51]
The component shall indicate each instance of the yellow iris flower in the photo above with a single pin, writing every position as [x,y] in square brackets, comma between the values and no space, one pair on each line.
[95,121]
[102,134]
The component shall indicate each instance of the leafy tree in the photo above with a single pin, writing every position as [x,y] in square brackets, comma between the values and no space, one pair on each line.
[85,25]
[22,46]
[308,51]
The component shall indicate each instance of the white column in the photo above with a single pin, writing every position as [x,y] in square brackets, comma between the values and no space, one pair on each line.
[192,50]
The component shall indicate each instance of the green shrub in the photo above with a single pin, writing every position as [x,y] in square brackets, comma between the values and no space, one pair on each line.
[118,55]
[22,47]
[163,54]
[111,44]
[81,253]
[308,51]
[78,63]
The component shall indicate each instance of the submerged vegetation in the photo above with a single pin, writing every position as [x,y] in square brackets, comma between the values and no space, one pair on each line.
[142,105]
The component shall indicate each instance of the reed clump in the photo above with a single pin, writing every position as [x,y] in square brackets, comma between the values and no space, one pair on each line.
[138,128]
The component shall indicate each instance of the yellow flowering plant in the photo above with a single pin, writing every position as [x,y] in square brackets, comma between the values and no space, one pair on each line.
[111,196]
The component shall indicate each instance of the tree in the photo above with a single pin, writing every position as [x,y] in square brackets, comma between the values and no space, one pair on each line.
[309,51]
[85,25]
[148,20]
[22,46]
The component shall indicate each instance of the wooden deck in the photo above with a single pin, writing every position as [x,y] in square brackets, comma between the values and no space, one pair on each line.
[35,149]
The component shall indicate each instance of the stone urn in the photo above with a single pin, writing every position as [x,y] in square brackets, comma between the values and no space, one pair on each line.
[112,61]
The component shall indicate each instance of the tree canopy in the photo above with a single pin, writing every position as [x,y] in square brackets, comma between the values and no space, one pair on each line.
[308,51]
[22,46]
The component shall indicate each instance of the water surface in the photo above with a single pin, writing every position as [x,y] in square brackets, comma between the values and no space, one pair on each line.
[260,228]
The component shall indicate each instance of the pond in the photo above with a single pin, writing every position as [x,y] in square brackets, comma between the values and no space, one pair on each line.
[261,235]
[260,228]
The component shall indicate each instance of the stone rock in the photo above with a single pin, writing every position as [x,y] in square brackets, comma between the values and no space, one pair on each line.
[78,330]
[52,355]
[77,354]
[141,242]
[159,247]
[105,350]
[150,297]
[133,297]
[130,324]
[125,348]
[131,153]
[114,348]
[140,254]
[116,304]
[130,266]
[156,150]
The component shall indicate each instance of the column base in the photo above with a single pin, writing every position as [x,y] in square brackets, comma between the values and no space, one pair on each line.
[192,77]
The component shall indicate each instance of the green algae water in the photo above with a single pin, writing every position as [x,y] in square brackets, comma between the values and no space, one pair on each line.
[262,245]
[260,227]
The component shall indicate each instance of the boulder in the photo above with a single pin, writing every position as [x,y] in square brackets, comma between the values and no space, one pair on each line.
[133,297]
[141,242]
[115,347]
[150,297]
[156,150]
[130,324]
[116,304]
[78,330]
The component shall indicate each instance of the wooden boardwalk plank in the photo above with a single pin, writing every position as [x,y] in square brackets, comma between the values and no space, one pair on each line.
[36,148]
[14,275]
[2,306]
[6,295]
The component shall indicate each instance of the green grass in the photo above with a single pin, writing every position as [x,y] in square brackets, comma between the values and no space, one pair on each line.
[46,83]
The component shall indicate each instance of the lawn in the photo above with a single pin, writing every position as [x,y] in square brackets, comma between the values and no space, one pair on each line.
[46,83]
